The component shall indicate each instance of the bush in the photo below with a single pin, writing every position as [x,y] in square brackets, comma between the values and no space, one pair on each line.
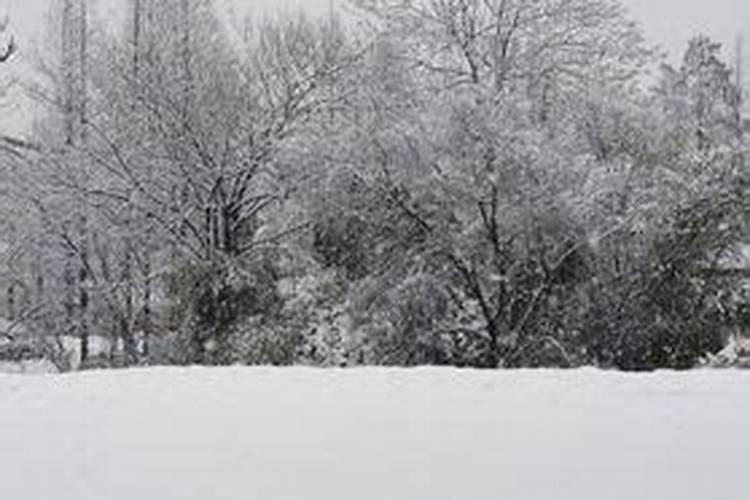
[256,341]
[209,301]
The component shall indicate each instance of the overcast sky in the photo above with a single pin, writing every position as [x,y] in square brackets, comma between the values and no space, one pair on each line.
[666,22]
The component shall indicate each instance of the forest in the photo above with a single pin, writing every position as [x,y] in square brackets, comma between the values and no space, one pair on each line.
[472,183]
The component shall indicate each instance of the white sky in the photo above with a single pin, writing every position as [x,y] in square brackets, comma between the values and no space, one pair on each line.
[669,23]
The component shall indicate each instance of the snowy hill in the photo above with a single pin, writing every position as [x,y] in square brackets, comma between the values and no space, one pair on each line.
[425,434]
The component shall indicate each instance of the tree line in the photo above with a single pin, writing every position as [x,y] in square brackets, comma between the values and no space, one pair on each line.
[480,183]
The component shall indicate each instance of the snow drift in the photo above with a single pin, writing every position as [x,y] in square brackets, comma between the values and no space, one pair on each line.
[426,434]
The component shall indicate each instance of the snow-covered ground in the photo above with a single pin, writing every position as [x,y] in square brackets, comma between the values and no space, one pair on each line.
[31,367]
[425,434]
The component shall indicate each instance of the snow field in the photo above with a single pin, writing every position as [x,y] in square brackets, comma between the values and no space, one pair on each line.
[374,434]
